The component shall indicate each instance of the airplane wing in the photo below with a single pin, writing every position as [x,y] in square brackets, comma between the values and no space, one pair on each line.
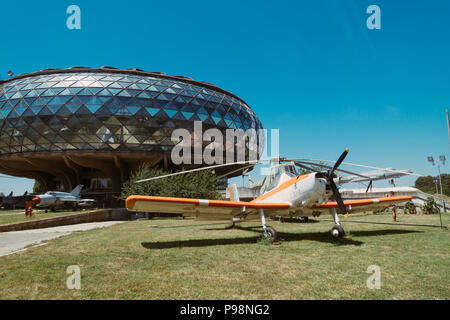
[364,204]
[196,207]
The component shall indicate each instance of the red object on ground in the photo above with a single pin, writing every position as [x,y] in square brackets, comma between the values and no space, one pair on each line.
[28,208]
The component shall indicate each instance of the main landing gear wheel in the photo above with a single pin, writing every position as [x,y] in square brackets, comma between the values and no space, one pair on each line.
[271,234]
[338,232]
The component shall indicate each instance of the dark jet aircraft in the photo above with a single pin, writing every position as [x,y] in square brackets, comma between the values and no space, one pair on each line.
[56,199]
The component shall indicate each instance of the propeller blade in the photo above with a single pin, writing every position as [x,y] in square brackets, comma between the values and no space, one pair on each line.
[304,167]
[341,158]
[357,165]
[337,195]
[204,168]
[234,171]
[328,167]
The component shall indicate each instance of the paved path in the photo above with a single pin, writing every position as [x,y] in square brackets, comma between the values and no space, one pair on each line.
[14,241]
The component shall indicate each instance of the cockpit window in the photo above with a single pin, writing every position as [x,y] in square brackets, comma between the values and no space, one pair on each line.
[273,179]
[291,171]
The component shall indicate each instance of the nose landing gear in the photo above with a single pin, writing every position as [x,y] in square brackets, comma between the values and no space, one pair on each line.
[337,231]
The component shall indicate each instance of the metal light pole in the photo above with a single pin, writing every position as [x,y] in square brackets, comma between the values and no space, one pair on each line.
[440,185]
[442,159]
[448,125]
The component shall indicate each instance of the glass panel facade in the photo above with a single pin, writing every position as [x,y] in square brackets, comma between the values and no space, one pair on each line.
[109,112]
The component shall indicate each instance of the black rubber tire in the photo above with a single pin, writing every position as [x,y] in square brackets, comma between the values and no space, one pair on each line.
[340,231]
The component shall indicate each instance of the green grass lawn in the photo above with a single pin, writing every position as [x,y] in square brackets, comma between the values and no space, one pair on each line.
[11,216]
[186,259]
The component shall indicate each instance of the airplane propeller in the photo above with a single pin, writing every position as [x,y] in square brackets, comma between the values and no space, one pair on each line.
[329,175]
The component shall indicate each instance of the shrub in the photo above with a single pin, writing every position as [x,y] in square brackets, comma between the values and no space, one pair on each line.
[410,208]
[429,206]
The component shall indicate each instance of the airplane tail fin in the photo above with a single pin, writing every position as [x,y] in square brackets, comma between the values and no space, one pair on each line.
[76,192]
[10,195]
[234,196]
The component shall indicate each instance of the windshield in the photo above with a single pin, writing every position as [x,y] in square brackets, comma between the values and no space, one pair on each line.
[273,179]
[291,171]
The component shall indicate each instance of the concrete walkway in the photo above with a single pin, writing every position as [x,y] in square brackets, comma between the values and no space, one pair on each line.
[15,241]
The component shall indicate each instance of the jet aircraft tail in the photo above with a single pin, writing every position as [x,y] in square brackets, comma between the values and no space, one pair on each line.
[76,192]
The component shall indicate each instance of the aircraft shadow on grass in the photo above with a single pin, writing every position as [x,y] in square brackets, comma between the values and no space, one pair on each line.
[283,236]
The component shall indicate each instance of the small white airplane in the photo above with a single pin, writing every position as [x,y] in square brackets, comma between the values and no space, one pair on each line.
[55,199]
[284,193]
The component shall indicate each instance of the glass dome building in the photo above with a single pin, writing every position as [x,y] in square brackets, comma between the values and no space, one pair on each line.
[64,127]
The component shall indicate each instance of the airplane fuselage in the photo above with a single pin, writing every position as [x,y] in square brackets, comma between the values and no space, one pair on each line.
[58,199]
[300,191]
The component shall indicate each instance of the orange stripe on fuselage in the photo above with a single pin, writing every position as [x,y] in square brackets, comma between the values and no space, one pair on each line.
[285,185]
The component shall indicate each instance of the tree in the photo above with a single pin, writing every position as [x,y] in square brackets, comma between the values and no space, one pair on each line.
[200,184]
[38,187]
[426,184]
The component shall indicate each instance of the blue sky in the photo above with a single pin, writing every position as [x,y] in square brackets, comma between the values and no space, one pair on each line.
[309,68]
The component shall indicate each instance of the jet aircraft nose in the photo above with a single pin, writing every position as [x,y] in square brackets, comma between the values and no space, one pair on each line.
[36,200]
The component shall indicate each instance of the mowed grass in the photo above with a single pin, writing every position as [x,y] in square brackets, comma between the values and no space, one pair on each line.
[12,216]
[186,259]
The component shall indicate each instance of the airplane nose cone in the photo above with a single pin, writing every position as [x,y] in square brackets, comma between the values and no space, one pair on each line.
[36,200]
[321,184]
